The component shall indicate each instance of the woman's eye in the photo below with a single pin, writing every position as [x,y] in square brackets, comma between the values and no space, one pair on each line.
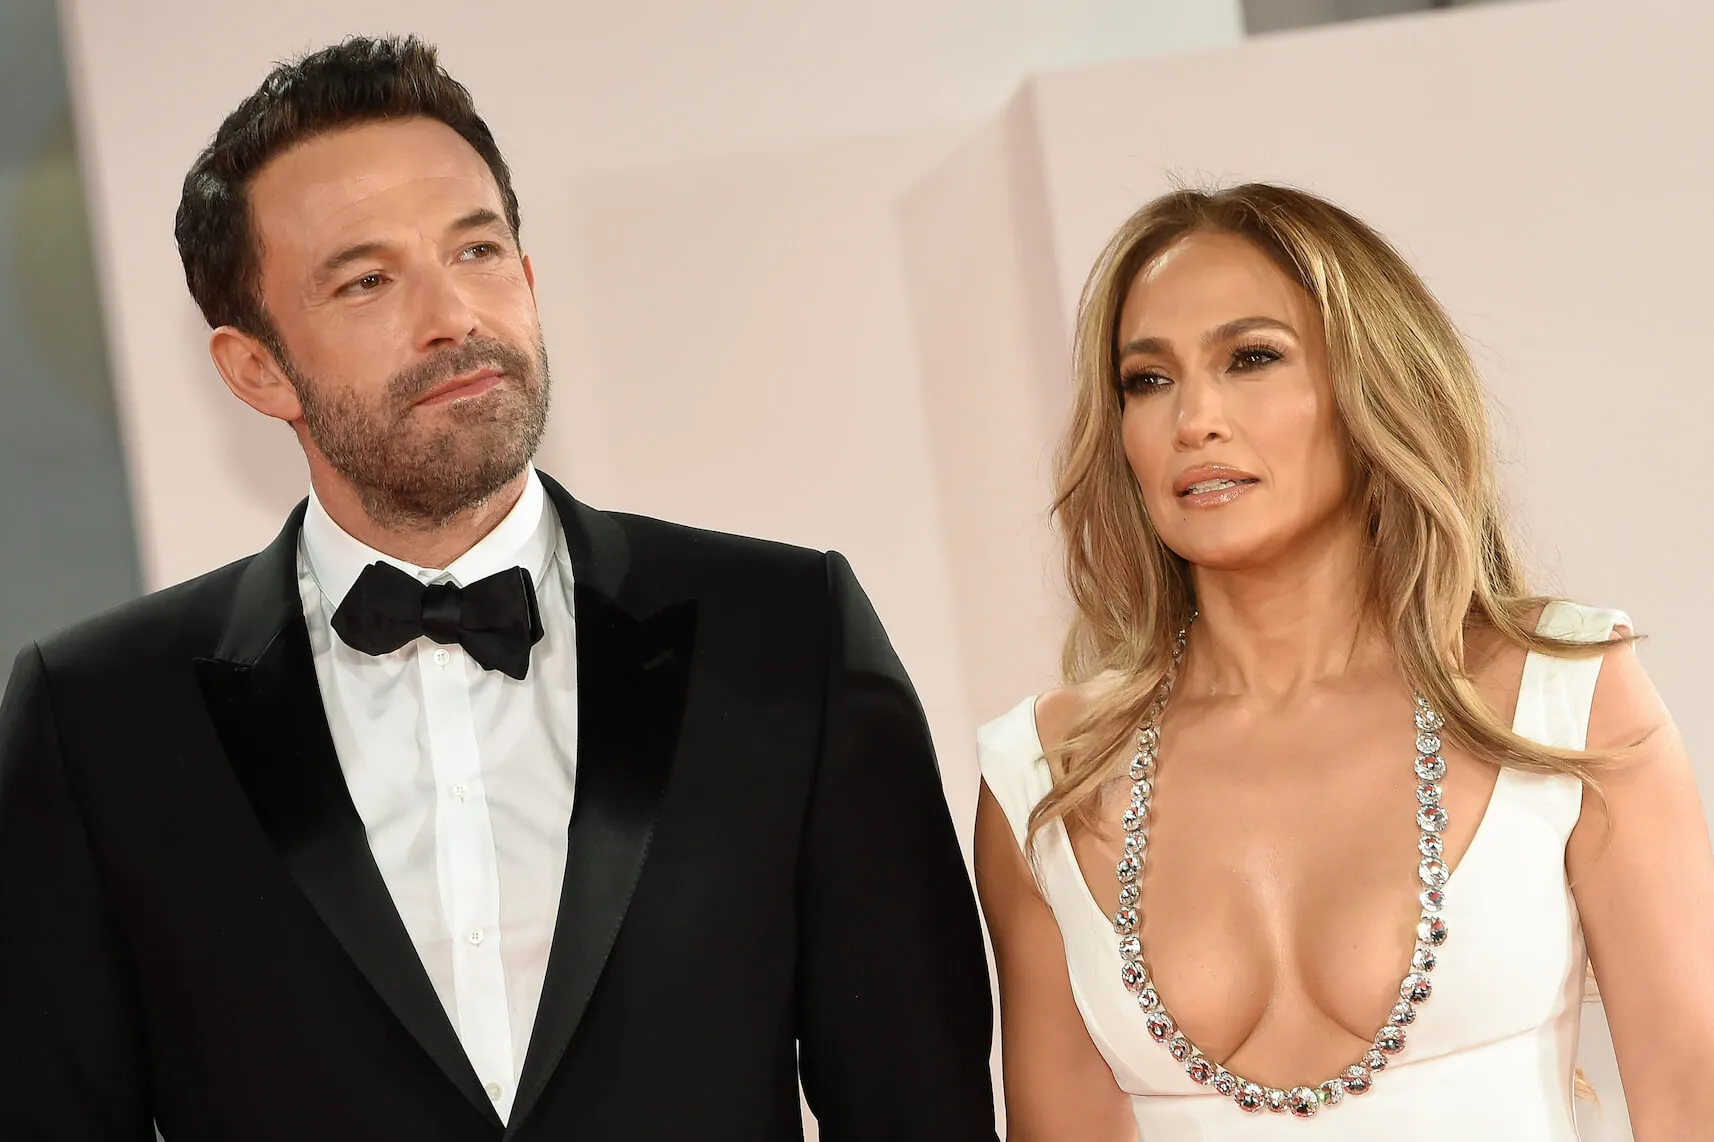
[1254,357]
[1142,382]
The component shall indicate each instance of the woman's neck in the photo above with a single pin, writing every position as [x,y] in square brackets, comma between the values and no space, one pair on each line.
[1266,633]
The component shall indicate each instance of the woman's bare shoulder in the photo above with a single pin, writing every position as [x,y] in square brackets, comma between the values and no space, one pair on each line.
[1496,663]
[1059,711]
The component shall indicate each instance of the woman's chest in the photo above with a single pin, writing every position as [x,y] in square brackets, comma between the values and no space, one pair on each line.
[1285,870]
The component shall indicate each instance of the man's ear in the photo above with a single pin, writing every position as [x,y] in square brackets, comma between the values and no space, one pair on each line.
[249,369]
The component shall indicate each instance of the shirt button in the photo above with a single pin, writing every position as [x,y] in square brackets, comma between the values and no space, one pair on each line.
[475,936]
[493,1090]
[460,791]
[441,657]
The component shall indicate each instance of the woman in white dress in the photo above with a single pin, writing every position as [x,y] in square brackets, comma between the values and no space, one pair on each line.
[1329,805]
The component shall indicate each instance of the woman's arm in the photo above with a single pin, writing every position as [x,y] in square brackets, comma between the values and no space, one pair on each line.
[1057,1084]
[1642,870]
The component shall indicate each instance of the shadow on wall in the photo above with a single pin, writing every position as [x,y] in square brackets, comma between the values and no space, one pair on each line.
[67,546]
[1278,15]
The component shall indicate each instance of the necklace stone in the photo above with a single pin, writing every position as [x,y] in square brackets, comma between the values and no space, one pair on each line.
[1389,1042]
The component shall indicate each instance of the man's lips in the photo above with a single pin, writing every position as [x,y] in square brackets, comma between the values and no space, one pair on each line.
[461,387]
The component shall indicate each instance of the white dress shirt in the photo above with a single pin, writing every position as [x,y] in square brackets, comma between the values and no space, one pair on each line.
[463,777]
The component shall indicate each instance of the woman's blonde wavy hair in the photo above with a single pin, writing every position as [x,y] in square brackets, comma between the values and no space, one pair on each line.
[1414,417]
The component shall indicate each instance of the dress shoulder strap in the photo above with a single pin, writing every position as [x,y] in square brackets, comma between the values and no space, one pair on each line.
[1554,699]
[1009,754]
[1556,694]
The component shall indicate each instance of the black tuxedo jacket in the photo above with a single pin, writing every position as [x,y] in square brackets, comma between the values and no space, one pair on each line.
[761,877]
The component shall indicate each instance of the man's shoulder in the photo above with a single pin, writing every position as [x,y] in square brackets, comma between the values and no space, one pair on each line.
[184,618]
[650,538]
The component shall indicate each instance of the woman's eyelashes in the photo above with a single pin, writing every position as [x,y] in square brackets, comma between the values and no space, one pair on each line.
[1246,358]
[1254,357]
[1133,382]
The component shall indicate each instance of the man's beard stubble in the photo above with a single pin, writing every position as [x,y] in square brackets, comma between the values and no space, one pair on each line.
[409,478]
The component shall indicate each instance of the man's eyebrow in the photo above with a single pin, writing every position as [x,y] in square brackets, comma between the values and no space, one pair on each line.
[345,257]
[475,220]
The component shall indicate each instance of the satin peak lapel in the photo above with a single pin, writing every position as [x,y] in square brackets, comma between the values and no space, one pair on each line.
[261,691]
[632,677]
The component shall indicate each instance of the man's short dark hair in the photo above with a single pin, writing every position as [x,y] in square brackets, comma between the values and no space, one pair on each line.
[358,81]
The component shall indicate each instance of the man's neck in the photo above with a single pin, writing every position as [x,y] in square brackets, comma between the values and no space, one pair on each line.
[434,545]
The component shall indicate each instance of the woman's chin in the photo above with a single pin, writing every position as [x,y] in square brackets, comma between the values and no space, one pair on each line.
[1227,553]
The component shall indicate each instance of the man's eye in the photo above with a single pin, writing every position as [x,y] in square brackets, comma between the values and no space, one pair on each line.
[368,283]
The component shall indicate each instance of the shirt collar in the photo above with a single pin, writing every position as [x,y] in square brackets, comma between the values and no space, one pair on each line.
[527,537]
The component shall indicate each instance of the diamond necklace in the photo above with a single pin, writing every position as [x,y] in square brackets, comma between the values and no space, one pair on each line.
[1389,1041]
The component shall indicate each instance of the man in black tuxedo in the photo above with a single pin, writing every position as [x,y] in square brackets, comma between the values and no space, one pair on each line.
[463,810]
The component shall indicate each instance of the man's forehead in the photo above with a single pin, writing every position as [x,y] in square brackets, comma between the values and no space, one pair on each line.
[370,173]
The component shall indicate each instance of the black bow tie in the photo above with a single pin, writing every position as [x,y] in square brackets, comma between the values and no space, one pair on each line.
[494,619]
